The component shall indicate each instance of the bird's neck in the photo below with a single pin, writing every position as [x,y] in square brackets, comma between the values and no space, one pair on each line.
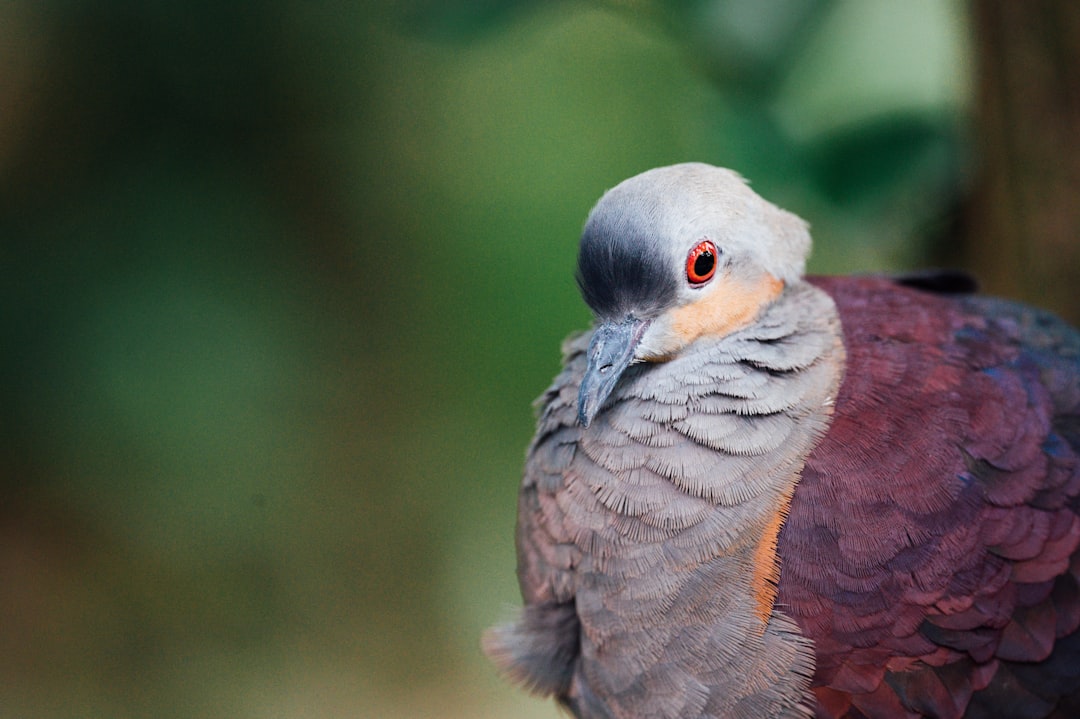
[730,418]
[700,458]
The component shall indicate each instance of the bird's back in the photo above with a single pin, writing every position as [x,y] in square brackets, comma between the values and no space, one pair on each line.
[931,548]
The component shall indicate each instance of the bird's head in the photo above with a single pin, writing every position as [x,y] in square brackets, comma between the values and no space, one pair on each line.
[673,255]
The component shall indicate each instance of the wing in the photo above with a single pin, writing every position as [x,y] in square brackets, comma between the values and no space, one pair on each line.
[539,649]
[931,548]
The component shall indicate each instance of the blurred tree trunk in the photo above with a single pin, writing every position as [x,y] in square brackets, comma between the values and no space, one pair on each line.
[1024,227]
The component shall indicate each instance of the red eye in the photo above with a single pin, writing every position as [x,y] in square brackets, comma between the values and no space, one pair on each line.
[701,263]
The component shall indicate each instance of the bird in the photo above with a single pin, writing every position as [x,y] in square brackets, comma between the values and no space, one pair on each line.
[758,494]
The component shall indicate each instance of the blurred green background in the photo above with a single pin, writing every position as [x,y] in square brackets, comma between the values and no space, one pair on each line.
[280,280]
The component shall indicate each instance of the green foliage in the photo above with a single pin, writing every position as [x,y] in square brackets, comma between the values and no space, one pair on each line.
[280,280]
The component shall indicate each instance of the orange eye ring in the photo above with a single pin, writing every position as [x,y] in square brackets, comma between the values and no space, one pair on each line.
[701,263]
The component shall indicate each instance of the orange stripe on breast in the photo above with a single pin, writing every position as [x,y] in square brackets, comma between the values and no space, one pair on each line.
[766,577]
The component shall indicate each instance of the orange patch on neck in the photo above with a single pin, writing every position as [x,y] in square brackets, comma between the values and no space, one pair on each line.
[729,306]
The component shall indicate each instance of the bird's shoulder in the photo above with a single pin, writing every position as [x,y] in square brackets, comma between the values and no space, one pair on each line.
[935,525]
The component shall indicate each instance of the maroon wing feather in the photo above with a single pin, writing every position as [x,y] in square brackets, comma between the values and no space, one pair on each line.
[931,548]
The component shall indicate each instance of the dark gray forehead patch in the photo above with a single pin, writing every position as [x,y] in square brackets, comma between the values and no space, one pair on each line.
[624,268]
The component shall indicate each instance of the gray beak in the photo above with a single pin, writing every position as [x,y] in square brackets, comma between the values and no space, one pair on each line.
[610,352]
